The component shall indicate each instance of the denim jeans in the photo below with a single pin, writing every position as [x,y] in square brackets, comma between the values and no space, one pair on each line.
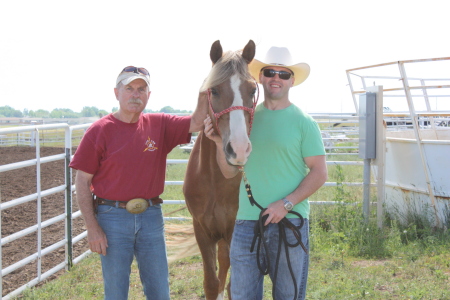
[134,235]
[246,279]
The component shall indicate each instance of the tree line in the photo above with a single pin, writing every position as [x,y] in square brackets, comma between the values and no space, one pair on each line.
[59,113]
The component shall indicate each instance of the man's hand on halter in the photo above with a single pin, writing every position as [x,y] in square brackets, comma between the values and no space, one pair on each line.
[228,171]
[209,132]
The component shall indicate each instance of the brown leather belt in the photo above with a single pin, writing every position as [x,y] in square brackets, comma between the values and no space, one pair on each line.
[123,204]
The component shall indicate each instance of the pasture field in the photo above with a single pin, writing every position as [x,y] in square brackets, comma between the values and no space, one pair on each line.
[47,137]
[350,259]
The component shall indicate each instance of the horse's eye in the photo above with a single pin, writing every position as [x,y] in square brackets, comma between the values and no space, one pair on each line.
[214,92]
[253,92]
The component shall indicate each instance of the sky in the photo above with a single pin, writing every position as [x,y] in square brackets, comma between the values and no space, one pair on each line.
[68,54]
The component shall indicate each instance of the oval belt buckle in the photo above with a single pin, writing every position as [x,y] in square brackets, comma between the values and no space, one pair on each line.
[136,206]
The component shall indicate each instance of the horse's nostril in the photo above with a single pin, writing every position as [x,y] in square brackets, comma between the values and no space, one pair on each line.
[229,150]
[249,148]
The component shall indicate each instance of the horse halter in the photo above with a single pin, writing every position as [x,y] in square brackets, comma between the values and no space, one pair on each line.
[251,110]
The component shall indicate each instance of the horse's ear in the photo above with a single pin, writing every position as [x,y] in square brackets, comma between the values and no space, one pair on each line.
[216,51]
[249,51]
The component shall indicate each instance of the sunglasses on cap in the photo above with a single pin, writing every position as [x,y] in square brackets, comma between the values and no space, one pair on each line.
[132,69]
[282,74]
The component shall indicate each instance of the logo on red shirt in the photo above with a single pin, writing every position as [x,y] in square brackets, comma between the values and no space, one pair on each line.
[150,145]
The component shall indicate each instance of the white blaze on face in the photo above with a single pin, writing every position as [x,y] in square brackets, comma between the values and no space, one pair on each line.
[238,129]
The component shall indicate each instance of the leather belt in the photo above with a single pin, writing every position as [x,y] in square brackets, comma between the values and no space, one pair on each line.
[135,206]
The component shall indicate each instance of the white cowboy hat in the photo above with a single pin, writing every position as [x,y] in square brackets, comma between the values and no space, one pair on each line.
[280,57]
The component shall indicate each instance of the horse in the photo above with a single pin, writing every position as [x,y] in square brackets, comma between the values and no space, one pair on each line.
[212,199]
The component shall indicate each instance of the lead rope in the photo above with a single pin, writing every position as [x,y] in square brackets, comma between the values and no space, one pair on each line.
[259,237]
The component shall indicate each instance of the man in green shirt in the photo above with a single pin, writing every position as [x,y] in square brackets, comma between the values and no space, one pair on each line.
[286,166]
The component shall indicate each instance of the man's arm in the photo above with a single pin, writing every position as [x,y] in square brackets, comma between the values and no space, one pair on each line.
[96,237]
[200,113]
[228,170]
[316,177]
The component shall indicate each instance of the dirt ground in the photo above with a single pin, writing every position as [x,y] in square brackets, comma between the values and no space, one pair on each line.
[21,182]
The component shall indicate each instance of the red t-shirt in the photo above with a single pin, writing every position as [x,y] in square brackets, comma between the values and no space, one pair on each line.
[128,160]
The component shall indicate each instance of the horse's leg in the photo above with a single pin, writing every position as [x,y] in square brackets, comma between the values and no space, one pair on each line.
[207,248]
[224,266]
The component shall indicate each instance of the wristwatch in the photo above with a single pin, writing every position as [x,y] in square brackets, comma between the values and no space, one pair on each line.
[288,204]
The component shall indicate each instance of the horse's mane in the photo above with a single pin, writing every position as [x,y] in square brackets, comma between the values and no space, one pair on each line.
[229,64]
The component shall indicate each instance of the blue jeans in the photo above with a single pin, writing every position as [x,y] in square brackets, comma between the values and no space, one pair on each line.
[134,235]
[247,282]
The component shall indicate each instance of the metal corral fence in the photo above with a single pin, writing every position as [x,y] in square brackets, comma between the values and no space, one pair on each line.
[337,128]
[413,153]
[34,134]
[48,137]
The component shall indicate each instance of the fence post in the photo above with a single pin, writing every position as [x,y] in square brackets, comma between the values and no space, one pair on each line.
[68,192]
[380,160]
[39,205]
[33,139]
[367,142]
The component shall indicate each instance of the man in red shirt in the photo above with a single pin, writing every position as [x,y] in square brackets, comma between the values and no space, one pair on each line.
[121,163]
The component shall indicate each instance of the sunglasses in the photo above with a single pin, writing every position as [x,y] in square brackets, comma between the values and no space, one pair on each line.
[132,69]
[282,74]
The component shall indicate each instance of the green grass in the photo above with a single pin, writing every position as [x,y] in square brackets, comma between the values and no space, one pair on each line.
[47,137]
[350,258]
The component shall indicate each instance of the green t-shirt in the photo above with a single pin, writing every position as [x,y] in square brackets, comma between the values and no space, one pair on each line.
[280,140]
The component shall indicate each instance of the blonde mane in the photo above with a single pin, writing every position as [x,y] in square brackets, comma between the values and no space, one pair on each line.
[229,64]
